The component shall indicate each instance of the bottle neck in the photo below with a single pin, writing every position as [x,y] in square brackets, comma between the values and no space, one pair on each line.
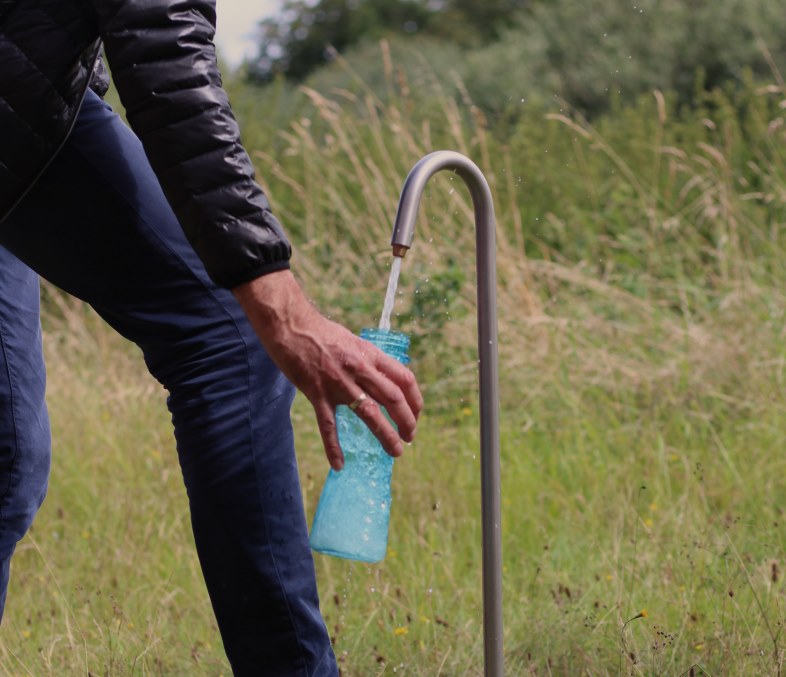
[393,343]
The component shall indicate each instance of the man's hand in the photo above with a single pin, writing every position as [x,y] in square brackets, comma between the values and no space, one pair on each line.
[330,365]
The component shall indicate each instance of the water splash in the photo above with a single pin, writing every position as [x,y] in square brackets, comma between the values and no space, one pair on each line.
[390,296]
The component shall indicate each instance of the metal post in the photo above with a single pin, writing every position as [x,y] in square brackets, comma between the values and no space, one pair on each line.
[485,239]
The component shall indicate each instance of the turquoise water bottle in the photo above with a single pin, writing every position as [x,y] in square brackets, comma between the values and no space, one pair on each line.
[354,509]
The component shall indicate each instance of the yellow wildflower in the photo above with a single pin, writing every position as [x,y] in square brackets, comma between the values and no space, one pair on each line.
[642,614]
[403,630]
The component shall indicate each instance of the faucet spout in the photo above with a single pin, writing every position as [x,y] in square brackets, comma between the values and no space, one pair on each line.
[485,238]
[411,193]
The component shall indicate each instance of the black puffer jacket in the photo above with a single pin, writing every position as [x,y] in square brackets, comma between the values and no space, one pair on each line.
[164,67]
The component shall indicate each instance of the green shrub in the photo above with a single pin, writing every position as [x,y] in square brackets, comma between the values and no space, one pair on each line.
[585,51]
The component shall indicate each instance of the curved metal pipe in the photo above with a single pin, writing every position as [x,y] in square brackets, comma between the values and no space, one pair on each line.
[485,238]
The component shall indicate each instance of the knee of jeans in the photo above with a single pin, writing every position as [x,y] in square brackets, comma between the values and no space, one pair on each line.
[217,366]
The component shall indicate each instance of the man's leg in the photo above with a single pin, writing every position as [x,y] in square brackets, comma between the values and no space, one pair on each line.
[24,424]
[98,226]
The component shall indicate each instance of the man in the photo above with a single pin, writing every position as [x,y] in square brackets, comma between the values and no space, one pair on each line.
[219,317]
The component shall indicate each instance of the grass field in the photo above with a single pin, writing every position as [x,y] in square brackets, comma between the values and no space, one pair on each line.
[642,315]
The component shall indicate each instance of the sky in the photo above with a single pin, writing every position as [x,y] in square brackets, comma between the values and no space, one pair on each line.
[236,21]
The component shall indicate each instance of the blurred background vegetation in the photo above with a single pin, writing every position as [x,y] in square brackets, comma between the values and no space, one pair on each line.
[584,53]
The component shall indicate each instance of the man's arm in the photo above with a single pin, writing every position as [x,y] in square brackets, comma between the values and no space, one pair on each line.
[163,63]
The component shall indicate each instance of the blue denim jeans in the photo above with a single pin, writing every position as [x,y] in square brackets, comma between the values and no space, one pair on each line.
[97,225]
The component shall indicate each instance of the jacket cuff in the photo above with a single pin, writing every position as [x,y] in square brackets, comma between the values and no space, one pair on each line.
[253,274]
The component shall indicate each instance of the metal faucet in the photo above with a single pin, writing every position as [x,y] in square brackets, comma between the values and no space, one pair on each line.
[485,238]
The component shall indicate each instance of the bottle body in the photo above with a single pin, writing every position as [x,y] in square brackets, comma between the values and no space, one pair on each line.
[353,513]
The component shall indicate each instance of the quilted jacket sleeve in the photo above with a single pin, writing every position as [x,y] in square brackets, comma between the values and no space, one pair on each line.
[164,66]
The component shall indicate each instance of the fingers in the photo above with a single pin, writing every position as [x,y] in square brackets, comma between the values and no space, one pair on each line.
[404,379]
[371,414]
[326,421]
[391,396]
[399,393]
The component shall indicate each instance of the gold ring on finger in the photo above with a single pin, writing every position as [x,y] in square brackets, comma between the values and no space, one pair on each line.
[356,403]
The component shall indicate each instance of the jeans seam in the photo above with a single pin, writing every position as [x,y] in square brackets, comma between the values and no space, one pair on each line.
[11,389]
[325,655]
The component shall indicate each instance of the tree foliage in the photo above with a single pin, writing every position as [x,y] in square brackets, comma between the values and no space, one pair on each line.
[507,56]
[588,52]
[299,39]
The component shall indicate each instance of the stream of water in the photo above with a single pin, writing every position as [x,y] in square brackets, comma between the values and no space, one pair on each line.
[390,296]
